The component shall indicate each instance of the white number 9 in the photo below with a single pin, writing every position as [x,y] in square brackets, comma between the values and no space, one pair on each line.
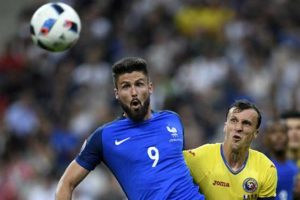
[153,154]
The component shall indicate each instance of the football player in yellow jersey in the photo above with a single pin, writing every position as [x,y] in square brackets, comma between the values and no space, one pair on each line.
[231,170]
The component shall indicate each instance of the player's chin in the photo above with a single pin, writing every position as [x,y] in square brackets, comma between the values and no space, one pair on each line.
[136,111]
[236,146]
[137,116]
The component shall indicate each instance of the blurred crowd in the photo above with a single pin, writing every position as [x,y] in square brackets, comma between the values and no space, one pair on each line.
[202,55]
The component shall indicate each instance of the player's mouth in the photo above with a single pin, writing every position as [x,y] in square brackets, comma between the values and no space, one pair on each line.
[135,104]
[237,138]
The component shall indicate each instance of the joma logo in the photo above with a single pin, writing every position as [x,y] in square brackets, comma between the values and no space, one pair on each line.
[221,183]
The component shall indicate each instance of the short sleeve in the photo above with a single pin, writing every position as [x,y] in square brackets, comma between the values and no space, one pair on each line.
[193,161]
[269,185]
[91,152]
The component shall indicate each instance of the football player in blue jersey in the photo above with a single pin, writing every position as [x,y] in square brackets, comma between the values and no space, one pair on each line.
[142,148]
[276,138]
[292,120]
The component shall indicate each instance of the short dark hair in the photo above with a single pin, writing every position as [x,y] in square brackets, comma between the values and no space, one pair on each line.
[128,65]
[244,104]
[290,114]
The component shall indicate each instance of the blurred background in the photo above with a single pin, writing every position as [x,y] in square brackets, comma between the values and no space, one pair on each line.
[202,55]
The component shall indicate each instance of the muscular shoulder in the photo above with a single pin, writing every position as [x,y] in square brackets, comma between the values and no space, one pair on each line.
[107,129]
[167,113]
[166,116]
[204,148]
[201,160]
[202,152]
[259,157]
[261,163]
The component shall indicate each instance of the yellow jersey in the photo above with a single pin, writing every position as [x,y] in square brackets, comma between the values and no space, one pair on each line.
[257,178]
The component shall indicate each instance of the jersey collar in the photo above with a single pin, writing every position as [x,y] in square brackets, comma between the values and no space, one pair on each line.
[227,165]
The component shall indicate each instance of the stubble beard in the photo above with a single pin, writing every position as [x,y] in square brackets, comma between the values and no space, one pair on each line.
[136,115]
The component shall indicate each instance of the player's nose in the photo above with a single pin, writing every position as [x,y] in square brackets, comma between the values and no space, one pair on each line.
[133,91]
[238,127]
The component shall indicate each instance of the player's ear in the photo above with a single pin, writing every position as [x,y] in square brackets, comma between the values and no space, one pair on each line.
[150,86]
[116,93]
[256,133]
[224,128]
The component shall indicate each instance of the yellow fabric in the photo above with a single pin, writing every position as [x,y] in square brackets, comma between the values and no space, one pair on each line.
[298,164]
[190,20]
[216,181]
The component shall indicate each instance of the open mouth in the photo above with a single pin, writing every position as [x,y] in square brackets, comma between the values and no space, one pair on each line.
[237,138]
[135,103]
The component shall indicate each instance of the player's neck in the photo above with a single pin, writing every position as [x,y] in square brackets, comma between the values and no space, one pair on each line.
[146,117]
[235,159]
[149,114]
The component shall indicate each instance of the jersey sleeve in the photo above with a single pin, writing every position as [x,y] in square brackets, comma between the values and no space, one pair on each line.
[177,116]
[183,135]
[193,159]
[189,158]
[91,152]
[270,183]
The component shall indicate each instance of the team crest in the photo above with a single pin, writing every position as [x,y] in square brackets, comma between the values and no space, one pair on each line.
[174,133]
[250,185]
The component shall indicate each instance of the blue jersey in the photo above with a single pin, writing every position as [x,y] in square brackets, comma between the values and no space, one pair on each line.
[287,172]
[145,157]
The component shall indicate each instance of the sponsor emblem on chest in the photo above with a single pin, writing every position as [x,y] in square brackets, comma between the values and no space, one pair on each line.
[118,142]
[221,183]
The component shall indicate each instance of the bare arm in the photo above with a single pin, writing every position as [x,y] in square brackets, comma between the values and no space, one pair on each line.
[73,175]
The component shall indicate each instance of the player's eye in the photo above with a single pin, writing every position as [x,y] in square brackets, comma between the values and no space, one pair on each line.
[248,123]
[234,120]
[125,86]
[140,84]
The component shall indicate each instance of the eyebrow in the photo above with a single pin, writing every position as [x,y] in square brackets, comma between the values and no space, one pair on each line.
[247,121]
[243,121]
[138,80]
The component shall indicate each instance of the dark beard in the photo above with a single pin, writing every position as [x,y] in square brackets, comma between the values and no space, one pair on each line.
[279,153]
[136,115]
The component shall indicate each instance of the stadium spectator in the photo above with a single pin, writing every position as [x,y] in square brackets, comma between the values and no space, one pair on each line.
[292,119]
[276,139]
